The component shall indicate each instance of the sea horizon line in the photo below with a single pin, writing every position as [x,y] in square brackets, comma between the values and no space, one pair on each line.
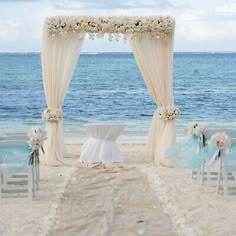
[129,52]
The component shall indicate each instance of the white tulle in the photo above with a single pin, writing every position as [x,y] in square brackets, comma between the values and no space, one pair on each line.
[155,61]
[59,58]
[101,145]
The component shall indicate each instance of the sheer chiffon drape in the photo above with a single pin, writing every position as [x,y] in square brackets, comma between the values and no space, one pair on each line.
[59,58]
[155,61]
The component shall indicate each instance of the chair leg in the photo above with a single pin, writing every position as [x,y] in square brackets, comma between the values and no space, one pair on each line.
[208,176]
[37,176]
[38,171]
[192,173]
[219,177]
[198,175]
[5,180]
[1,181]
[33,179]
[225,180]
[30,183]
[202,172]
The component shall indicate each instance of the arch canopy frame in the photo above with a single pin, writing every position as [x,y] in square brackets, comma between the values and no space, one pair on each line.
[151,39]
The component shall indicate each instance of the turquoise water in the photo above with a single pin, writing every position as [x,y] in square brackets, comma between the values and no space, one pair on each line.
[109,87]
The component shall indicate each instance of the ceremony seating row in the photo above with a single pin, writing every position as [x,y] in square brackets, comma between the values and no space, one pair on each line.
[19,180]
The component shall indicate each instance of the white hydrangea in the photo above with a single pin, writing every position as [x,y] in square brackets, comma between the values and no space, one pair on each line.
[220,140]
[197,128]
[37,136]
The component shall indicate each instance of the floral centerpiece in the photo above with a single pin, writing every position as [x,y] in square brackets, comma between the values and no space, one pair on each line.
[37,136]
[52,115]
[156,26]
[221,141]
[168,113]
[198,130]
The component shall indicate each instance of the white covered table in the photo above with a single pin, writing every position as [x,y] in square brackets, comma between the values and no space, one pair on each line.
[101,145]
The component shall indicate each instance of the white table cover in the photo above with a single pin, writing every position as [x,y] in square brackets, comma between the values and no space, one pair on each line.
[101,145]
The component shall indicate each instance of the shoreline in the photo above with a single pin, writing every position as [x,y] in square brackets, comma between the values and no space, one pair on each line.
[125,136]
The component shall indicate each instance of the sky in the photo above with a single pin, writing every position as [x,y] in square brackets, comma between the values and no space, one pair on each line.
[201,25]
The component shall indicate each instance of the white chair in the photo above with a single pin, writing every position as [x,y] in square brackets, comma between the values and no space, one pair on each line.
[227,169]
[18,186]
[13,174]
[200,174]
[223,167]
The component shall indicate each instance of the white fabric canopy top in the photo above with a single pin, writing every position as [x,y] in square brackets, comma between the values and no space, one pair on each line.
[152,46]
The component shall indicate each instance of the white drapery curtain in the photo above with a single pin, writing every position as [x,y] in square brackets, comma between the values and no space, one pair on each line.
[59,58]
[155,61]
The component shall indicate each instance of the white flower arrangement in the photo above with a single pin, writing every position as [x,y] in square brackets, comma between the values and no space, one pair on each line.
[222,141]
[168,113]
[52,115]
[157,26]
[197,128]
[37,136]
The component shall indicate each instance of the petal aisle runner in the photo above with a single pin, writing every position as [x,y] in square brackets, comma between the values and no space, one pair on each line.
[116,200]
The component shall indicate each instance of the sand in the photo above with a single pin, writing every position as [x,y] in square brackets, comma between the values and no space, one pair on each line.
[90,200]
[110,201]
[193,209]
[133,198]
[34,218]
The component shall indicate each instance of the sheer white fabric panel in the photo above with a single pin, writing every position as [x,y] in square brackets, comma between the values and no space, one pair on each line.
[101,145]
[155,61]
[59,58]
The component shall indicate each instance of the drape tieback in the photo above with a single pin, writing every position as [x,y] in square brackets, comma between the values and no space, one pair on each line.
[168,113]
[52,115]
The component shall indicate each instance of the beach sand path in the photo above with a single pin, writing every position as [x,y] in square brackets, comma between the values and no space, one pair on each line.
[116,200]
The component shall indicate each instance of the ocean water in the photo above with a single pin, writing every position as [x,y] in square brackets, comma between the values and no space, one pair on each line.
[108,87]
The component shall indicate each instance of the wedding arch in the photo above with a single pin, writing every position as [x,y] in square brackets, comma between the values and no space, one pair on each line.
[151,39]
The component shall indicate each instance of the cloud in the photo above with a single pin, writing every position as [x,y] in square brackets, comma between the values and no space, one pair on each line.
[200,25]
[10,30]
[18,1]
[226,9]
[107,4]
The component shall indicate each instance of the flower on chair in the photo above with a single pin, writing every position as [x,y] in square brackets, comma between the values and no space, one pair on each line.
[37,136]
[197,129]
[222,141]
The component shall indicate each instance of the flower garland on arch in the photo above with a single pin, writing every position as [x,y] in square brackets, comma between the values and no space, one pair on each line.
[64,26]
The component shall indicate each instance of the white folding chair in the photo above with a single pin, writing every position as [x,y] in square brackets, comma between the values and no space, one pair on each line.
[222,172]
[16,184]
[30,175]
[200,172]
[228,167]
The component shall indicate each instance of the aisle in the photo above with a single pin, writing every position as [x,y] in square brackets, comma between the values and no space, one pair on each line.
[111,201]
